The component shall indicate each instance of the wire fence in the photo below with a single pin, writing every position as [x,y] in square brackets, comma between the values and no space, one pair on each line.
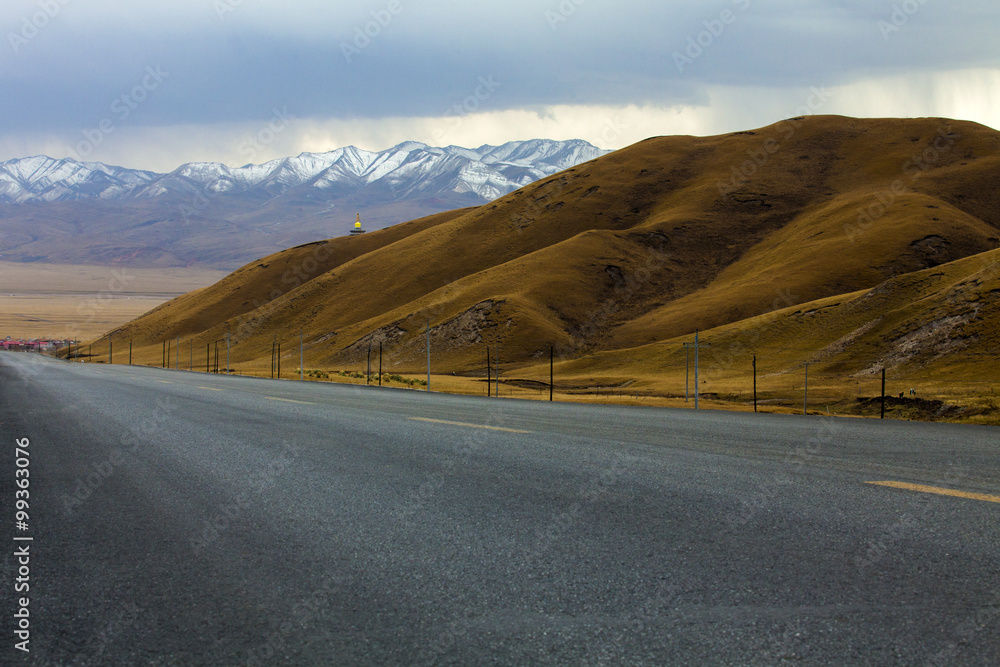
[744,384]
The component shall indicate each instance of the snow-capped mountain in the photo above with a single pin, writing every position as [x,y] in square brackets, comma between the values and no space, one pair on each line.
[407,170]
[212,215]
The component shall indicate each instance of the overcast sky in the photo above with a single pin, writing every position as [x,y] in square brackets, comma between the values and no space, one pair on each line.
[155,84]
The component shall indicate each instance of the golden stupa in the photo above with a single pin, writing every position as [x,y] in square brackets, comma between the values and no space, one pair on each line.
[357,226]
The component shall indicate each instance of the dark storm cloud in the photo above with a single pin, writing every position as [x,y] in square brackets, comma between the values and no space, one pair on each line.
[231,61]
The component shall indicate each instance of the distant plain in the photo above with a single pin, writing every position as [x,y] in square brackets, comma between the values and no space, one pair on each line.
[78,301]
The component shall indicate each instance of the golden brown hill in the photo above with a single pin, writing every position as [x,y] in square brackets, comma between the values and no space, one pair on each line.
[646,244]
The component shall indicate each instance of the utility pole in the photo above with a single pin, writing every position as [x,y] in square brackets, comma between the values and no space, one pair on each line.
[227,348]
[168,354]
[805,395]
[489,374]
[696,345]
[111,352]
[428,354]
[368,374]
[208,357]
[883,394]
[302,369]
[755,383]
[380,363]
[129,351]
[163,356]
[274,341]
[177,359]
[279,361]
[191,367]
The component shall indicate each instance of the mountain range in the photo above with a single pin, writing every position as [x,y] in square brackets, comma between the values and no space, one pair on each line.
[209,214]
[847,244]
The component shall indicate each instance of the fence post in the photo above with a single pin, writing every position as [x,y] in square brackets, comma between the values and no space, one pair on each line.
[177,359]
[380,363]
[368,372]
[755,383]
[696,387]
[551,370]
[129,351]
[805,395]
[302,369]
[208,357]
[489,373]
[883,394]
[111,352]
[428,354]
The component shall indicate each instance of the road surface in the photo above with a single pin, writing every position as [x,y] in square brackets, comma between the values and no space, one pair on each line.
[185,518]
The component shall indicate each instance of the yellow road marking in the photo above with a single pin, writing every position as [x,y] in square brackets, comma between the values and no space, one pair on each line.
[287,400]
[943,492]
[490,428]
[209,388]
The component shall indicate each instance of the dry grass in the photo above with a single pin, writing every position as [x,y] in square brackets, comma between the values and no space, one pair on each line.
[616,262]
[67,301]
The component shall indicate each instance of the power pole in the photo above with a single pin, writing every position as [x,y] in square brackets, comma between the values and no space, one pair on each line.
[380,363]
[696,345]
[208,357]
[551,370]
[168,354]
[428,354]
[177,359]
[227,348]
[368,374]
[302,369]
[163,356]
[129,351]
[279,361]
[274,341]
[755,383]
[111,352]
[489,374]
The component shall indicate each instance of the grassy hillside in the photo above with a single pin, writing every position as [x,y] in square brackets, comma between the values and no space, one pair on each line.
[614,259]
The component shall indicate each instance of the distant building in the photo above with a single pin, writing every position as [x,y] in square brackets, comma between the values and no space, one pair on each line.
[357,227]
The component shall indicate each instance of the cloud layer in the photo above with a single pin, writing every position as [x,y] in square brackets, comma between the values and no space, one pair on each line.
[157,84]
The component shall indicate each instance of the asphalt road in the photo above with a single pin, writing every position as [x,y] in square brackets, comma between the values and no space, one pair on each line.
[182,518]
